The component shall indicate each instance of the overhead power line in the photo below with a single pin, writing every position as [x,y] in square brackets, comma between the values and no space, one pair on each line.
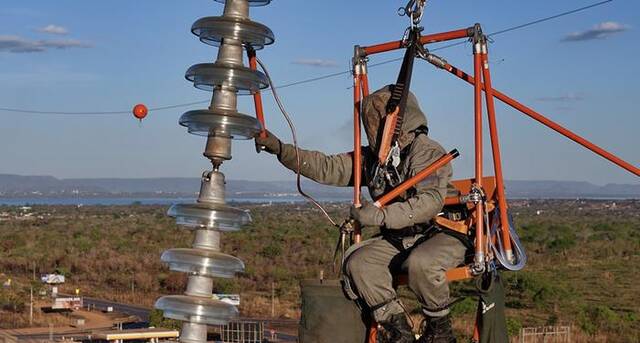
[317,78]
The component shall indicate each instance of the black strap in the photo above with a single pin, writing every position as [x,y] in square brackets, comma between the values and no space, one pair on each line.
[400,91]
[382,304]
[421,130]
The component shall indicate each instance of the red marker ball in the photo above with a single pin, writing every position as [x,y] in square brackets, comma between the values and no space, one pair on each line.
[140,111]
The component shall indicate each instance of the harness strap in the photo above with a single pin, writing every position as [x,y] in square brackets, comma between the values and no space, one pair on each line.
[397,103]
[382,304]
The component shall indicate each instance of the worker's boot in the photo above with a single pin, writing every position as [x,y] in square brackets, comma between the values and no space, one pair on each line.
[437,330]
[396,330]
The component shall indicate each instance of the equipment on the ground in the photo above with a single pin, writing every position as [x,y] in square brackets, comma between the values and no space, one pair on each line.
[52,279]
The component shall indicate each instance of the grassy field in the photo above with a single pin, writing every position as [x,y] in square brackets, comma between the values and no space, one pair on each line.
[584,261]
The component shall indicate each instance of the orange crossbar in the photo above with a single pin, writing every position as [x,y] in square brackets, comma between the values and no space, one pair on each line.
[427,39]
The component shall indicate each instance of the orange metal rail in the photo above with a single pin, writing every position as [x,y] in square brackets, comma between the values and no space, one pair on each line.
[431,38]
[495,149]
[479,222]
[423,174]
[548,123]
[257,97]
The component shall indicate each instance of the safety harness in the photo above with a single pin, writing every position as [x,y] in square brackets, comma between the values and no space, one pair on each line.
[388,147]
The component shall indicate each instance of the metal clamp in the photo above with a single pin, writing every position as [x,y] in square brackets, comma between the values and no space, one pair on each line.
[359,61]
[475,196]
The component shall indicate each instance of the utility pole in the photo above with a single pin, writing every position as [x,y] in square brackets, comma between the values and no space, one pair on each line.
[34,270]
[273,299]
[31,307]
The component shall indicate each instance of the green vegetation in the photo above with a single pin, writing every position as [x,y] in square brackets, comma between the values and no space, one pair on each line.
[156,319]
[584,260]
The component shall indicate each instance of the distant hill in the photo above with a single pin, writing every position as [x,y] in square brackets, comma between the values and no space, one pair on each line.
[48,186]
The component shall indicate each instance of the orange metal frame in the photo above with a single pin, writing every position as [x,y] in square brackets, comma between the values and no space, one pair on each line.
[257,97]
[481,82]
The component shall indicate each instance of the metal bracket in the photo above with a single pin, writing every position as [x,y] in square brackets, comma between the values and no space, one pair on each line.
[359,61]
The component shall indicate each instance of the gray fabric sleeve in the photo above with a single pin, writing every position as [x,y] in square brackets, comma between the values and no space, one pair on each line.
[334,170]
[430,193]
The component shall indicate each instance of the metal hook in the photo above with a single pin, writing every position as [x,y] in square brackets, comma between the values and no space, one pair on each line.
[414,10]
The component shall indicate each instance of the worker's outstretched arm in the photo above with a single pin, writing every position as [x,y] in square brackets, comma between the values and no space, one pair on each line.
[428,199]
[335,170]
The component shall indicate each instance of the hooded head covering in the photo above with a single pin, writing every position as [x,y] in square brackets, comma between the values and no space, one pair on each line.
[374,112]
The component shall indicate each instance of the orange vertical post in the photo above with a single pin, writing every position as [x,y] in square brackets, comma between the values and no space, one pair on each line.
[357,144]
[479,221]
[257,97]
[365,82]
[495,149]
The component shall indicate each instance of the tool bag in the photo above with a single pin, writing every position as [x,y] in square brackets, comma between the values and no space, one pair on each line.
[492,322]
[328,316]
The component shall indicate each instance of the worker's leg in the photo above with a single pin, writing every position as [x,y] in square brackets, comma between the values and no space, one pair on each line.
[369,269]
[426,267]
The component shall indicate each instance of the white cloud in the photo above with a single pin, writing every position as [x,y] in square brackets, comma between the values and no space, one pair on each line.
[316,62]
[54,30]
[17,44]
[600,31]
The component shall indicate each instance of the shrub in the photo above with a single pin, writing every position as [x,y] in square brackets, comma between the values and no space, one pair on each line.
[513,326]
[270,251]
[466,306]
[592,319]
[157,319]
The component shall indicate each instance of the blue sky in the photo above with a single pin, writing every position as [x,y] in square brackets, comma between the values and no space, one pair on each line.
[72,55]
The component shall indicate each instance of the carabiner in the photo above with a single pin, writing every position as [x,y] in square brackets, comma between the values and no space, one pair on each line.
[414,10]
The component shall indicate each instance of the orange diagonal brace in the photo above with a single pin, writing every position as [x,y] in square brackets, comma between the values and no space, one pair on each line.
[549,123]
[439,163]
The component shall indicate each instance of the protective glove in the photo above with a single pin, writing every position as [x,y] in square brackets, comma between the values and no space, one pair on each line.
[270,144]
[367,215]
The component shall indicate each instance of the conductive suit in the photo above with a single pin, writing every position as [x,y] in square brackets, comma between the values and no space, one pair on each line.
[407,242]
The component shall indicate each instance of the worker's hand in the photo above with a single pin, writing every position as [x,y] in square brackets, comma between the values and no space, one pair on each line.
[367,215]
[270,144]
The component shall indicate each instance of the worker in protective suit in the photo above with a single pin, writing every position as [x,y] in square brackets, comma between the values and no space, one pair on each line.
[408,241]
